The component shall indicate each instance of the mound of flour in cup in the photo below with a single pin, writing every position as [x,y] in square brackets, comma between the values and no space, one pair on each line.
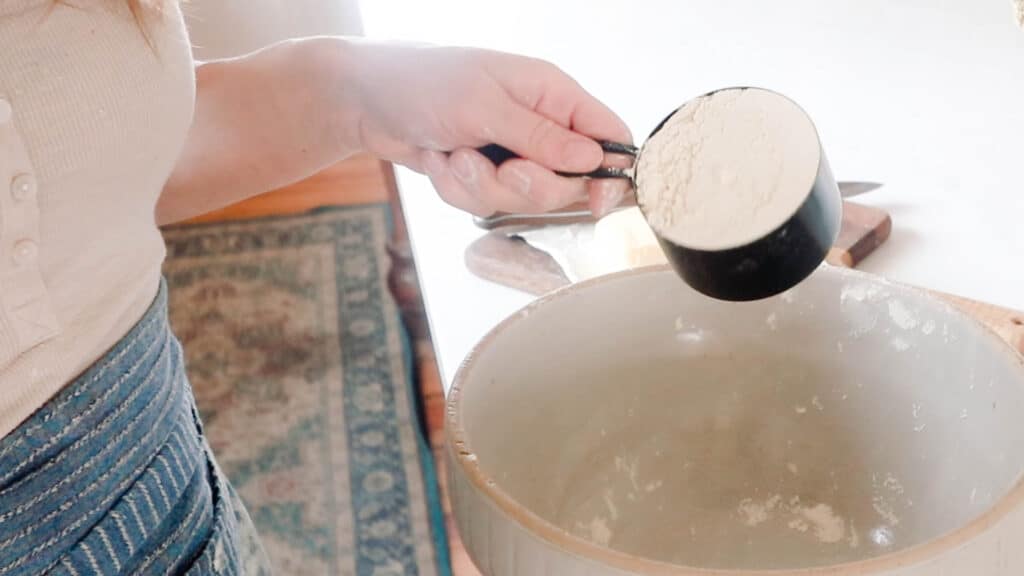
[727,168]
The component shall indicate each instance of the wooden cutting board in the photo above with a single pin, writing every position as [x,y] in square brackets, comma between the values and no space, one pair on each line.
[512,262]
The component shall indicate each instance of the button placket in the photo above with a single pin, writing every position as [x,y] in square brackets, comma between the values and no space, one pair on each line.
[24,300]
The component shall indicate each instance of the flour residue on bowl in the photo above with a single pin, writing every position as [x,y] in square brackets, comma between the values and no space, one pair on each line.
[818,520]
[856,304]
[899,344]
[828,527]
[816,402]
[609,501]
[885,510]
[695,335]
[928,327]
[887,489]
[754,513]
[630,469]
[901,316]
[859,293]
[625,489]
[892,484]
[690,333]
[597,530]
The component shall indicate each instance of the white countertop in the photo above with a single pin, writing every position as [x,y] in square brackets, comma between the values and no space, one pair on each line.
[925,96]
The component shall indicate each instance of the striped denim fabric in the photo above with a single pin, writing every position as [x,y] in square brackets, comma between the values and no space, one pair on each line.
[113,475]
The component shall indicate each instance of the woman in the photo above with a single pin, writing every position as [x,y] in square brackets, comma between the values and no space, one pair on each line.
[105,121]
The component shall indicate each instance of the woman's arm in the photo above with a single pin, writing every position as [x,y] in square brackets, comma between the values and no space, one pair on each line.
[279,115]
[261,122]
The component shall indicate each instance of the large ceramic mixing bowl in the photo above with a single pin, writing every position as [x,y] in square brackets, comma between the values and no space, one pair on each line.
[629,425]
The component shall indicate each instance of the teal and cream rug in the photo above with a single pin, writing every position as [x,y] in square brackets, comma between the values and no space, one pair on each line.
[302,372]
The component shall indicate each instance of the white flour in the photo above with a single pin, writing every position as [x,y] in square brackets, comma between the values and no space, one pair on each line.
[727,168]
[819,520]
[828,527]
[899,344]
[598,531]
[901,316]
[754,513]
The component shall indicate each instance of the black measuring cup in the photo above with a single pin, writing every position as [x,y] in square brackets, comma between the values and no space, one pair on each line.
[765,266]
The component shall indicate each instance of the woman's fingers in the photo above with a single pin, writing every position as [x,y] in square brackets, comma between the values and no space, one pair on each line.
[605,194]
[539,138]
[566,102]
[449,188]
[468,180]
[544,190]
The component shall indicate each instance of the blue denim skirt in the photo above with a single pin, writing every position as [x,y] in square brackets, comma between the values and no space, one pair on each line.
[113,475]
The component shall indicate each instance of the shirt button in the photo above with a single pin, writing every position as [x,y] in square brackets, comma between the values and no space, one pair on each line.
[5,111]
[23,187]
[25,251]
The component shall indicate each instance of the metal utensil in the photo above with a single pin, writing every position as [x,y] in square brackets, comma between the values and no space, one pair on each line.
[499,154]
[580,212]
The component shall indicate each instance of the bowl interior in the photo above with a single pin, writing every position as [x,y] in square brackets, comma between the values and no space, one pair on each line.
[842,420]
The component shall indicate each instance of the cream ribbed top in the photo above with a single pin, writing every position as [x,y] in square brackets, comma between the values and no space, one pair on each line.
[92,121]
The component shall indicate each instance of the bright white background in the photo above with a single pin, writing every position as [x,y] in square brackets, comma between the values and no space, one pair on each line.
[926,96]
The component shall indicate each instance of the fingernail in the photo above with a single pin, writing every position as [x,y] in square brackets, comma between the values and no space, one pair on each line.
[519,181]
[463,168]
[582,155]
[433,164]
[609,198]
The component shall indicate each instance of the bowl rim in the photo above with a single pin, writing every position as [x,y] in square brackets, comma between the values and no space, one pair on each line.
[552,535]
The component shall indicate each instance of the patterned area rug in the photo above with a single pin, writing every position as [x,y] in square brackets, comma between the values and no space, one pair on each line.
[302,372]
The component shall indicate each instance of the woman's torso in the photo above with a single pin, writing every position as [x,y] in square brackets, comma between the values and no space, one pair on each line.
[92,122]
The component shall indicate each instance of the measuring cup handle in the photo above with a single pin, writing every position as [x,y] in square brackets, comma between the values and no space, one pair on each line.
[499,154]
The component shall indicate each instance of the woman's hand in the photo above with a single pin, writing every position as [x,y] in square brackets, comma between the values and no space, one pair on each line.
[429,108]
[281,114]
